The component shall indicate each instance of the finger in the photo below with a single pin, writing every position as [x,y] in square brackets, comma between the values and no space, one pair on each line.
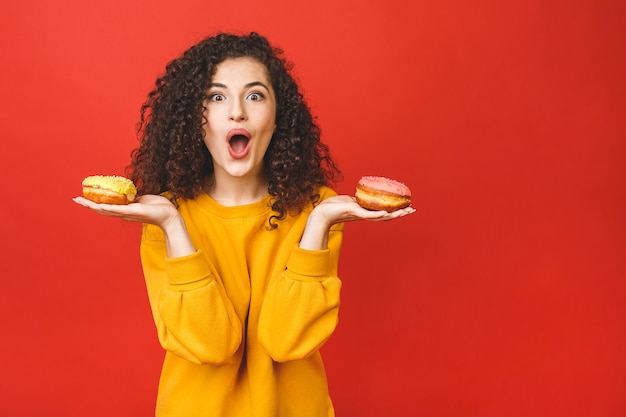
[372,215]
[80,201]
[112,210]
[394,214]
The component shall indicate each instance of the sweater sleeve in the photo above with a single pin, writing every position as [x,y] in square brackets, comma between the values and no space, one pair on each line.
[301,306]
[193,315]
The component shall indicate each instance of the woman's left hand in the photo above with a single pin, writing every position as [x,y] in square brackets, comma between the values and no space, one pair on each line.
[340,209]
[344,208]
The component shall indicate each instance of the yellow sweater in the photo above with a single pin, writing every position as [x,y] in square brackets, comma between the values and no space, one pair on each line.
[242,319]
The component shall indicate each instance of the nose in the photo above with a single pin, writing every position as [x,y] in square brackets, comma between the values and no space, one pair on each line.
[237,111]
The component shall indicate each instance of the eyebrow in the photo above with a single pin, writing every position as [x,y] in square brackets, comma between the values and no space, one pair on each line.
[252,84]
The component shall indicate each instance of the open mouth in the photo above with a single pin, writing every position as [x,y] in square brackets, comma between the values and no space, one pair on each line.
[238,143]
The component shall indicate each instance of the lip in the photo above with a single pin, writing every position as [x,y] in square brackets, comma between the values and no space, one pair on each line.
[238,132]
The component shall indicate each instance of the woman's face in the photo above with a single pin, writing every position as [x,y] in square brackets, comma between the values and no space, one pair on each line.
[241,117]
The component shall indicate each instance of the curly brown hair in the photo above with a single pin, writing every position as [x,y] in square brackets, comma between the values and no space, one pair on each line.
[172,156]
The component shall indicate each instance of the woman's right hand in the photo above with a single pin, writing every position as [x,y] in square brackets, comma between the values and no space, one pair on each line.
[152,209]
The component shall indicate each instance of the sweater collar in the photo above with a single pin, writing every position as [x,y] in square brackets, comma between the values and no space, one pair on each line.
[258,208]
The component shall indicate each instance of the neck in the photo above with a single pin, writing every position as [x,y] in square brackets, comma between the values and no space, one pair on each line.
[234,191]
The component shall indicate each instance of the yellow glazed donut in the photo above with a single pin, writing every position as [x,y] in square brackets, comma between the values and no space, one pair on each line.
[109,189]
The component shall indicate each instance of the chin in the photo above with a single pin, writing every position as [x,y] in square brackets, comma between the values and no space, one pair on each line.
[241,170]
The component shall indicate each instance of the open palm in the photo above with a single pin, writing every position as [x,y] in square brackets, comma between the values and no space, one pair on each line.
[344,208]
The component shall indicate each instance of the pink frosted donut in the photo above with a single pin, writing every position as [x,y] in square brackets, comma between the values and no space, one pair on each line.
[380,193]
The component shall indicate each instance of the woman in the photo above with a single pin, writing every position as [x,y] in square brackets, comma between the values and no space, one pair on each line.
[241,234]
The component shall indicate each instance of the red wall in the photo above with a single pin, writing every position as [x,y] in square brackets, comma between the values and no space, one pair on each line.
[504,295]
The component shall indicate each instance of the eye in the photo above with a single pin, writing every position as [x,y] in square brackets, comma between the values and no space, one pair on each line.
[256,96]
[216,97]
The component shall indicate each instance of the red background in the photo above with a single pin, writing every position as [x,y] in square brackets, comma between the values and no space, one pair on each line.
[504,295]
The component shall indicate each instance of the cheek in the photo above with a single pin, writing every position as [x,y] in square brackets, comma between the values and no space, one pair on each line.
[209,140]
[270,120]
[211,126]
